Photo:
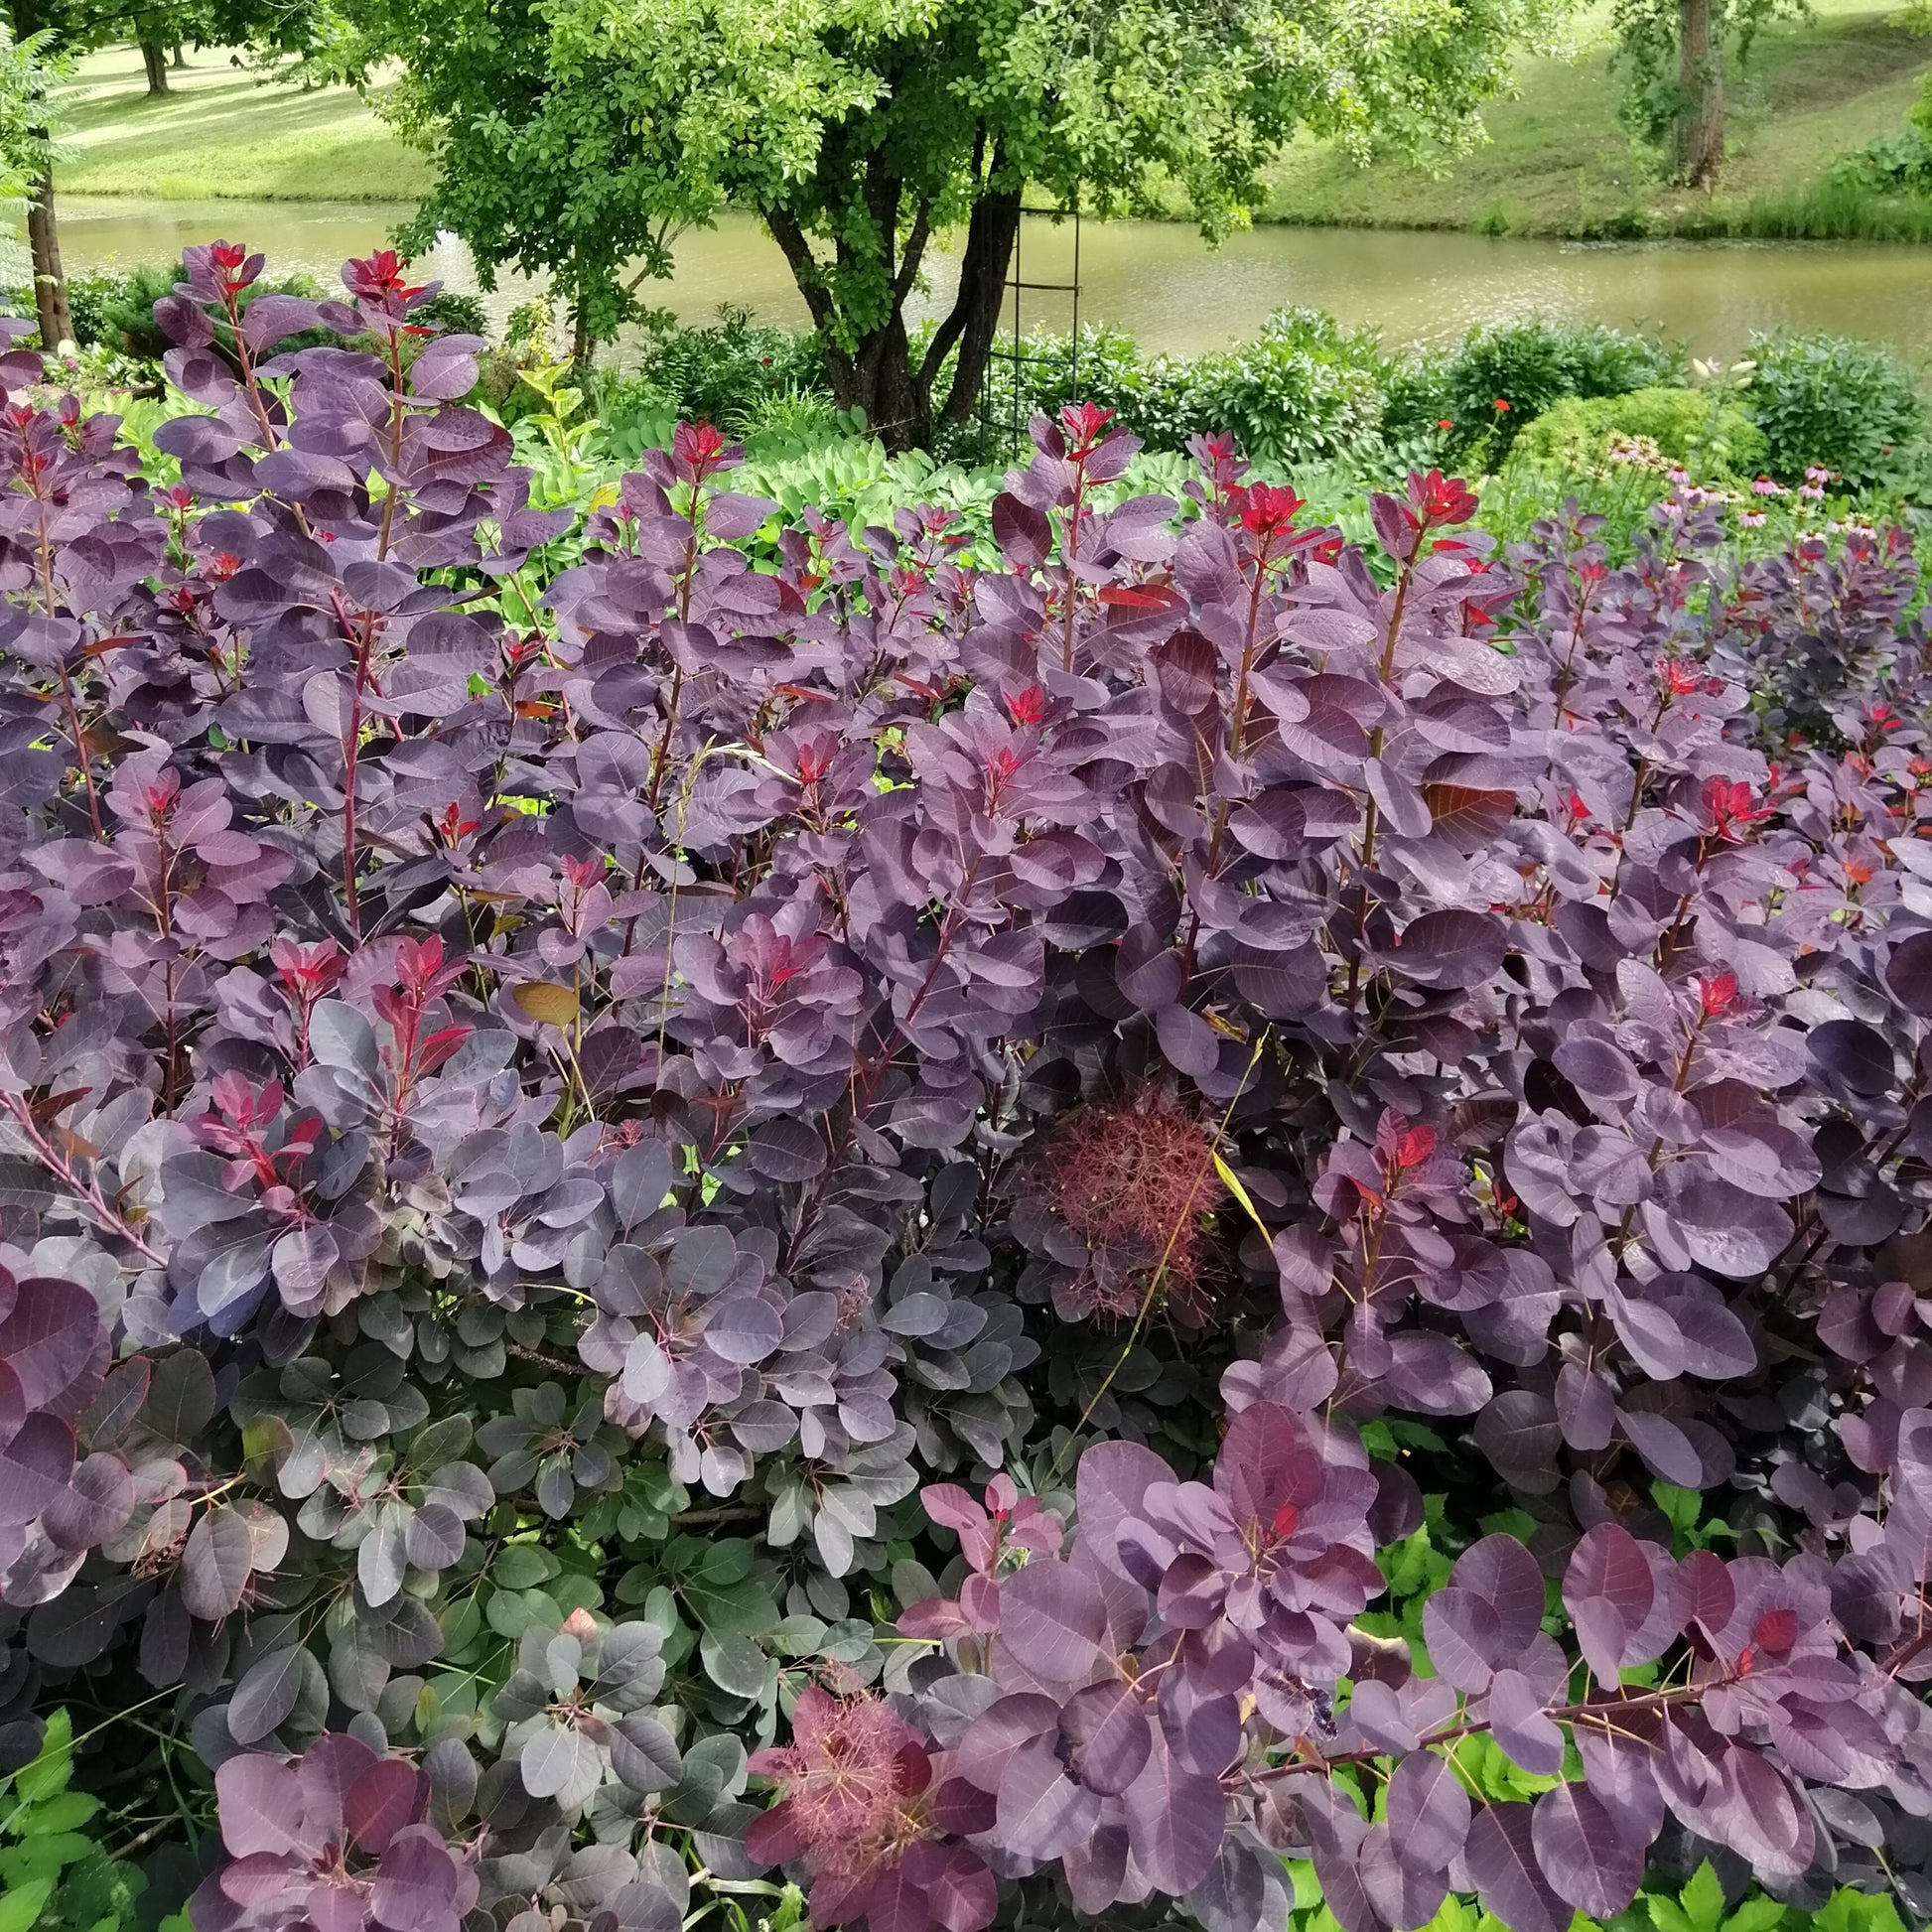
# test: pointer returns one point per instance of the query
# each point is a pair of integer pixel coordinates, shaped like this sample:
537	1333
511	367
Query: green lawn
222	134
1558	162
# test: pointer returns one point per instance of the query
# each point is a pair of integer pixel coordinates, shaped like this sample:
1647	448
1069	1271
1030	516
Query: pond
1162	285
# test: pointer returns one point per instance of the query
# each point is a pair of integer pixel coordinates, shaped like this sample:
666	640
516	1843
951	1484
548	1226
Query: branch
949	331
87	1192
909	267
805	270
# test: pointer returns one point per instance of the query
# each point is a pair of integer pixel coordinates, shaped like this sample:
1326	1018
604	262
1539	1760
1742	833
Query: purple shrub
573	1090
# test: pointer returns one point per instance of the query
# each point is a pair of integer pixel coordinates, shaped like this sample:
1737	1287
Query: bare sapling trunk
50	279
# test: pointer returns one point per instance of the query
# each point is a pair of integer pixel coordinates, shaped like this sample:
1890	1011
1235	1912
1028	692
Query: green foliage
456	315
577	136
1647	53
1531	364
730	372
1833	209
1846	406
1710	437
27	66
54	1873
1898	162
1304	389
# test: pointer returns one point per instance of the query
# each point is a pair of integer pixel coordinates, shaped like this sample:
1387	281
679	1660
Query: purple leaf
1108	1736
1522	1727
416	1884
1584	1852
265	1695
1174	1820
1053	1622
1507	1577
1042	1813
383	1799
1507	1874
215	1563
260	1804
1427	1812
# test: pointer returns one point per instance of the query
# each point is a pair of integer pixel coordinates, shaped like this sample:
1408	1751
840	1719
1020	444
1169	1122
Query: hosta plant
696	1204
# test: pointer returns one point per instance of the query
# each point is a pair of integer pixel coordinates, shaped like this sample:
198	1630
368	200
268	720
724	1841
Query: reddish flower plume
849	1765
1133	1181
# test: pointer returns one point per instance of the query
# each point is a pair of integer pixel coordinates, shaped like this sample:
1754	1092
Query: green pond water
1161	284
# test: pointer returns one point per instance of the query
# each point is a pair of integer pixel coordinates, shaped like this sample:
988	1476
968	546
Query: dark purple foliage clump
595	1108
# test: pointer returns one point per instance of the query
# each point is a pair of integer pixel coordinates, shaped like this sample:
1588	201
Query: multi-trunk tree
576	137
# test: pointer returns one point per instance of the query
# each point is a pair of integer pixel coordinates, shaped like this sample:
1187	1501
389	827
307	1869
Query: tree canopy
576	137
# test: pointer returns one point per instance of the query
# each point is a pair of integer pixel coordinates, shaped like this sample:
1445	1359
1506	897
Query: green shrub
710	374
1506	374
1305	388
55	1872
456	315
1578	432
1849	407
1897	162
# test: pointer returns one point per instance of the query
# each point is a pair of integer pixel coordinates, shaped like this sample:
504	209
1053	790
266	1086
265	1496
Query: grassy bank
222	134
1558	161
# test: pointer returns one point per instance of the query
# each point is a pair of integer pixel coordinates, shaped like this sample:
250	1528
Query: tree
1673	54
576	137
45	32
27	66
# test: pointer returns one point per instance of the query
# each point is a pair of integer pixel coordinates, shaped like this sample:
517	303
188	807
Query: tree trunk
181	58
877	375
879	379
975	317
50	281
1700	94
154	57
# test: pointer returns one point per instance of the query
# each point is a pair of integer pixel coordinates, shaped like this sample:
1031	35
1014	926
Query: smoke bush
1193	1063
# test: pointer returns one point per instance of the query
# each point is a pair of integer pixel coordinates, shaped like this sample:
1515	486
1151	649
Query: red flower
1501	407
1444	422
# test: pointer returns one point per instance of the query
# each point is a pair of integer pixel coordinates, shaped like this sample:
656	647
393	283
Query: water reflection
1159	282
